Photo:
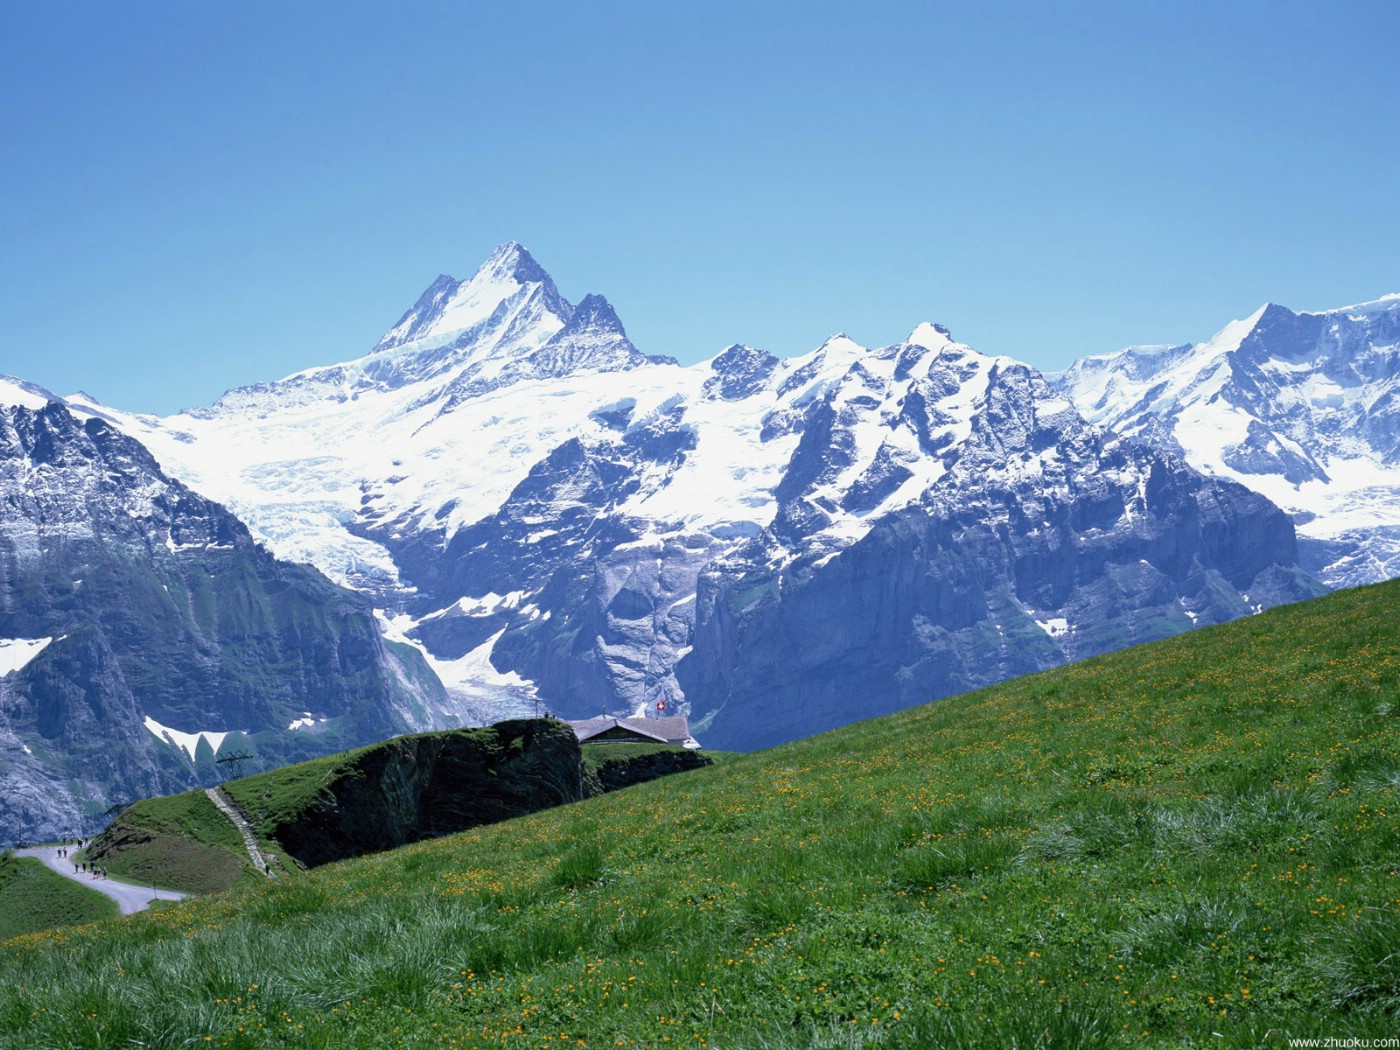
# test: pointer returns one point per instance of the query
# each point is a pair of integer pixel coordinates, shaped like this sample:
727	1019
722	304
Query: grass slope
185	842
1196	841
182	842
33	898
594	755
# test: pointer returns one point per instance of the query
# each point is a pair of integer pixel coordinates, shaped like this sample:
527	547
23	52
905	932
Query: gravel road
129	896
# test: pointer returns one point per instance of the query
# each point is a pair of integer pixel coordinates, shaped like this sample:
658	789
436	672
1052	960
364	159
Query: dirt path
130	897
229	808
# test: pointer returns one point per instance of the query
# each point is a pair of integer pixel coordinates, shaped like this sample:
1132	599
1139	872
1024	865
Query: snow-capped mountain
773	546
1302	407
141	628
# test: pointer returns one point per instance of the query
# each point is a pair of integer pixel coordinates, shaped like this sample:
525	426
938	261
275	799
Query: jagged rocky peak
1301	406
594	314
511	267
420	314
936	402
1278	332
592	340
82	476
510	276
740	371
513	260
930	351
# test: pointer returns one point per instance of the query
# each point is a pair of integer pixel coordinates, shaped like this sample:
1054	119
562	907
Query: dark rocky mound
615	773
421	787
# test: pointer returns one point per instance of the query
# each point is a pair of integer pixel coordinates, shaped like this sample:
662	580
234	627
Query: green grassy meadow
34	898
184	842
1195	842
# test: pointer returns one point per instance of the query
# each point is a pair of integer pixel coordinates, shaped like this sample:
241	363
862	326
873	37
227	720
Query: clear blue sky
196	195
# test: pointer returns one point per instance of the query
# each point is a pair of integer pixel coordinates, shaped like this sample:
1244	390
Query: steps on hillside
230	809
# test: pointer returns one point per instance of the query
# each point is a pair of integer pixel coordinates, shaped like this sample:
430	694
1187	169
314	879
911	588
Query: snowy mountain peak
1102	379
740	371
592	340
930	336
513	261
507	281
1387	302
594	314
736	350
19	393
545	527
840	343
1302	407
1232	335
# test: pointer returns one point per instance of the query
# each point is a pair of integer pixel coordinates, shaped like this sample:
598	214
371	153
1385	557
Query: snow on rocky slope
555	517
129	604
1302	407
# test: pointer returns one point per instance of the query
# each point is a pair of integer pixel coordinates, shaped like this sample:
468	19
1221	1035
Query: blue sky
197	195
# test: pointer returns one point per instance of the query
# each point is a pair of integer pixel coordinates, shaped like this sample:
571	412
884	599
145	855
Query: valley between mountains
505	507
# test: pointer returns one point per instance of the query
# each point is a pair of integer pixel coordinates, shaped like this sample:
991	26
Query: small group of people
92	869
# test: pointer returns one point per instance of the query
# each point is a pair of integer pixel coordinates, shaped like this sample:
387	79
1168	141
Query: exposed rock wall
975	586
1302	407
421	787
614	774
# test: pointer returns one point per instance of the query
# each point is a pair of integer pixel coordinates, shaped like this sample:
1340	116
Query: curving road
129	897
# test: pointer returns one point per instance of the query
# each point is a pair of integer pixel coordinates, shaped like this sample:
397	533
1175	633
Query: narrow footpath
229	808
130	897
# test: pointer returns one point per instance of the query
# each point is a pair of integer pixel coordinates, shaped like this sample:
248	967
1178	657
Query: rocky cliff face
138	616
976	585
421	787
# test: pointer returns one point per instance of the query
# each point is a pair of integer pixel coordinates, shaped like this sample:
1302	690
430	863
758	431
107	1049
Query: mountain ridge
540	528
